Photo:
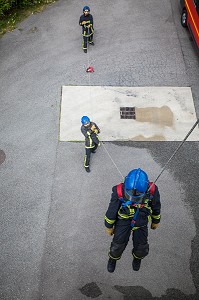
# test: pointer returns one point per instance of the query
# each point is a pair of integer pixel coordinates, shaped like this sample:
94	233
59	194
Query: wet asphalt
53	244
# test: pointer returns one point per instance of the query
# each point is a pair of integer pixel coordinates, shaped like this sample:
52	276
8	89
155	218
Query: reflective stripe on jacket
91	138
89	21
150	209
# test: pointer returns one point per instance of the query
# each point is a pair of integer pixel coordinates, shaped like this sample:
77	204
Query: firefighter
131	207
86	21
90	130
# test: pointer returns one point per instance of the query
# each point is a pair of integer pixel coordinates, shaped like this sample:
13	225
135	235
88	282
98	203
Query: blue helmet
136	183
85	120
86	8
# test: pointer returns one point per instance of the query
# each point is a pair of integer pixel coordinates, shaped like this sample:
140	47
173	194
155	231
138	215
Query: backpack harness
138	206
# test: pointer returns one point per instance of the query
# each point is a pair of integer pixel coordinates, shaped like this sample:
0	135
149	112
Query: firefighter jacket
89	24
148	210
91	137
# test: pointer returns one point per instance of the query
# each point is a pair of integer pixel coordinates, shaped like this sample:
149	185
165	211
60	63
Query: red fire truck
190	18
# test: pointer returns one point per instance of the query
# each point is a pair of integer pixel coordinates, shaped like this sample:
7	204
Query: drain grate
127	113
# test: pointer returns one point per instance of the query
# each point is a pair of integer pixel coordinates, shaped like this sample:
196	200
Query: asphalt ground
53	244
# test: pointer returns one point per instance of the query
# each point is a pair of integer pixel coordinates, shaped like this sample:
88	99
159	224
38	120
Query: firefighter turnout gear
90	131
86	21
121	216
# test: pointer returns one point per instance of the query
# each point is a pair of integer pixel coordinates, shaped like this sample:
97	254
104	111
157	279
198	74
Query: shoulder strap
152	190
119	190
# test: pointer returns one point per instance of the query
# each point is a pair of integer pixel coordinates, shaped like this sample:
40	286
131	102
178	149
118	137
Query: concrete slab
162	113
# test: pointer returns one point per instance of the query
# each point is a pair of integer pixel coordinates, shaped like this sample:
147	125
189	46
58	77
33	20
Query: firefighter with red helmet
86	21
133	204
90	130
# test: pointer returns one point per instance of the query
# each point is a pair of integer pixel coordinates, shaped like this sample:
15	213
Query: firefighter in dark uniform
90	130
133	204
86	21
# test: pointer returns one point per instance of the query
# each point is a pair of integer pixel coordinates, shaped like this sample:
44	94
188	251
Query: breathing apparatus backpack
151	191
125	203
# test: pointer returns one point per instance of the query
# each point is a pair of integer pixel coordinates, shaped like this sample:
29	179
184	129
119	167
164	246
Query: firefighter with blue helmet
133	205
90	130
86	21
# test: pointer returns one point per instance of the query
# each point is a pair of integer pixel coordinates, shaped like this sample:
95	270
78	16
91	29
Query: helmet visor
134	194
86	124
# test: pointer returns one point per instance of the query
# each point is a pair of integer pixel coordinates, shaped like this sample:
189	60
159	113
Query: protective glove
109	231
83	22
154	226
94	129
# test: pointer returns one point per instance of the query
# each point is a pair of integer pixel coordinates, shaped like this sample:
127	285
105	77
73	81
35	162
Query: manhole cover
127	113
2	156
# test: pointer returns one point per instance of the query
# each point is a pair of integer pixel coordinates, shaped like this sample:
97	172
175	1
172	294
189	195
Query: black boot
92	43
111	265
85	50
87	169
136	264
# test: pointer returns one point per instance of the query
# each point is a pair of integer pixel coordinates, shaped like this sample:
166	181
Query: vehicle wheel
184	18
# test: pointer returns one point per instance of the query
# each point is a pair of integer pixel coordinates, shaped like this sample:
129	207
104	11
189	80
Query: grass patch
9	21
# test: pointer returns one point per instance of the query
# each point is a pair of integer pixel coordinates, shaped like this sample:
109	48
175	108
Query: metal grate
127	113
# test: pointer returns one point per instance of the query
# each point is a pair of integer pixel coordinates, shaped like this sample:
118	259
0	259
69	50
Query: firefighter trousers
122	232
88	155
